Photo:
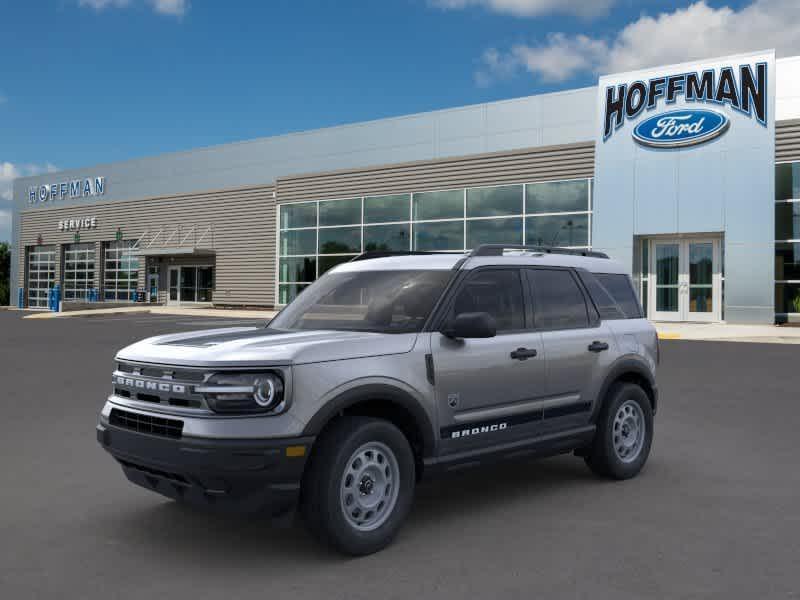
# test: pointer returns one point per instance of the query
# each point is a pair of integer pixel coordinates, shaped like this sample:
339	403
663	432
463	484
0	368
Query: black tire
322	506
602	458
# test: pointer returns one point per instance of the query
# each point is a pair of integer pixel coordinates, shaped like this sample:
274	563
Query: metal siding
244	235
571	161
787	141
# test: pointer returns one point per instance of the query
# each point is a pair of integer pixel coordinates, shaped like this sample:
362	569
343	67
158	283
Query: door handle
598	346
523	354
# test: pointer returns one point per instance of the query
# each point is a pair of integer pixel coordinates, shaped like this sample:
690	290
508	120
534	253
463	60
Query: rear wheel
359	485
624	433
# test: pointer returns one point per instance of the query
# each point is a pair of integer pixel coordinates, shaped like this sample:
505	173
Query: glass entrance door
687	282
699	285
666	256
174	291
191	284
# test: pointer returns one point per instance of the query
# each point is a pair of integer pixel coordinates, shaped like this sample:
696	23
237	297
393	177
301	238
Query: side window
606	305
497	292
620	288
558	302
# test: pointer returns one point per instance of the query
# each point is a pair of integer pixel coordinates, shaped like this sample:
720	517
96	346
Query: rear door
489	390
578	347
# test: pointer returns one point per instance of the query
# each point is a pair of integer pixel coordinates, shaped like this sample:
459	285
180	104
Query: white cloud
531	8
172	8
697	31
9	172
103	4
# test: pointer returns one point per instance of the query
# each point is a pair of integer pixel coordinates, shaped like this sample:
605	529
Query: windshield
381	301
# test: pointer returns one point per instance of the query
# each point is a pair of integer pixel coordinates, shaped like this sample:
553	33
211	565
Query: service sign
685	108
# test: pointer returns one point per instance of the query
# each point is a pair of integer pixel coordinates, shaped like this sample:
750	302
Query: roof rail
385	253
499	249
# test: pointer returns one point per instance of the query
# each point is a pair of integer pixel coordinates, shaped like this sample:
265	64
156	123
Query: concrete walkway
771	334
158	310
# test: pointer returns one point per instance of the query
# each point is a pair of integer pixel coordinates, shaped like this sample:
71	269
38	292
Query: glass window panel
497	292
494	231
621	290
557	196
787	261
787	297
439	236
787	221
667	264
494	201
387	237
787	181
298	269
303	241
299	215
667	299
701	257
328	262
340	240
558	301
700	299
439	205
557	230
288	292
384	209
340	212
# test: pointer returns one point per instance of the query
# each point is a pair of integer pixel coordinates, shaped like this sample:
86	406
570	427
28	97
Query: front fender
394	392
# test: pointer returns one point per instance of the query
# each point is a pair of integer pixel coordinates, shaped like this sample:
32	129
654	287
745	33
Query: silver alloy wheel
629	431
370	486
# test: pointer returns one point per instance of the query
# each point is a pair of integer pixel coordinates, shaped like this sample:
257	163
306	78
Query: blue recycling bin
54	298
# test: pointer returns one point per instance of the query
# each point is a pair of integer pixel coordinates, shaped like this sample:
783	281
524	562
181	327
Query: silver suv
388	369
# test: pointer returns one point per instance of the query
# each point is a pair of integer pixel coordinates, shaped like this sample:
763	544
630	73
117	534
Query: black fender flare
626	365
376	392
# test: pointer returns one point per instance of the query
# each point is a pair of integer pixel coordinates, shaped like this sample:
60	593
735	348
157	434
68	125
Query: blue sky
90	81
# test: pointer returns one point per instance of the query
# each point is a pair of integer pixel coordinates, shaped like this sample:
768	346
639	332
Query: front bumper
241	476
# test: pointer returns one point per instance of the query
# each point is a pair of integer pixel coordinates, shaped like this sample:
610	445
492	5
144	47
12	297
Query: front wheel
359	485
624	433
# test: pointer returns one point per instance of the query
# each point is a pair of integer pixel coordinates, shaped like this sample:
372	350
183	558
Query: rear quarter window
619	287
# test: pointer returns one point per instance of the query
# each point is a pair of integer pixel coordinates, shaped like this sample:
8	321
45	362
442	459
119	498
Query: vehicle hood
248	346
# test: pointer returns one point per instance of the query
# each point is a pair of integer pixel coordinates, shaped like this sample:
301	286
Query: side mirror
471	325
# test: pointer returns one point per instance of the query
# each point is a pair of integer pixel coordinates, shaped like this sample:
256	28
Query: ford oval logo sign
681	128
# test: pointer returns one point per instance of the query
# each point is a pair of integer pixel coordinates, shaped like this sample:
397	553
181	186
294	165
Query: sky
84	82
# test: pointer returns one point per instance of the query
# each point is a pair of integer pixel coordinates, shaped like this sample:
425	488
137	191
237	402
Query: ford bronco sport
385	370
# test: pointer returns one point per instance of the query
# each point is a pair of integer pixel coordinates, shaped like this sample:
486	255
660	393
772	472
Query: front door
173	296
687	283
152	285
489	390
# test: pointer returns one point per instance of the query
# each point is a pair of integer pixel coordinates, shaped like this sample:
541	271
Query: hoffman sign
76	188
743	89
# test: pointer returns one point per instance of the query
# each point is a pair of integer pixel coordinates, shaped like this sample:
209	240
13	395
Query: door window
558	302
494	291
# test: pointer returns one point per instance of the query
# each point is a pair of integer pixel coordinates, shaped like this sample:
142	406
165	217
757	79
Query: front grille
171	428
160	385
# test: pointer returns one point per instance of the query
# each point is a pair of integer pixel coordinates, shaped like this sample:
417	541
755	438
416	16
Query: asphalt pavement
715	514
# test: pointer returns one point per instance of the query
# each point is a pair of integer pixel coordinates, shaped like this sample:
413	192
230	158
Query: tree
5	268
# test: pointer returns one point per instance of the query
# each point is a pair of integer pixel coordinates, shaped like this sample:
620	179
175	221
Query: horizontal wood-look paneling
571	161
244	229
787	141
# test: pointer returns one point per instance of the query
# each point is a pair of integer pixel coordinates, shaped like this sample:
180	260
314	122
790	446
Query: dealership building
688	174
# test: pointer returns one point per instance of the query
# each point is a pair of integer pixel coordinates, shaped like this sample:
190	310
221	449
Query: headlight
244	393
